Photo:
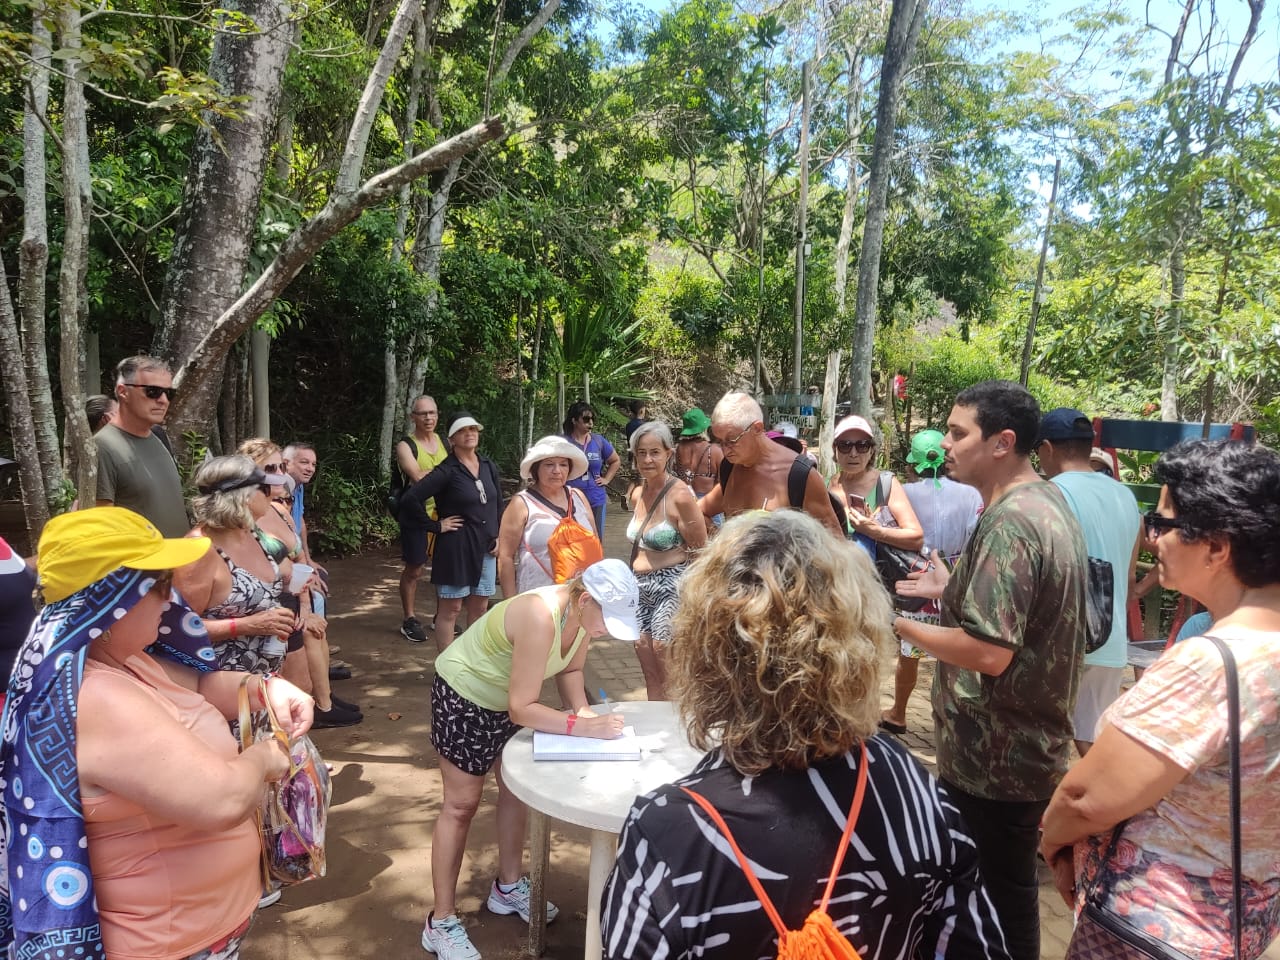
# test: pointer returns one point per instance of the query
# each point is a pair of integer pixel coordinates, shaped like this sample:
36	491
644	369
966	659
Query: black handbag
1101	934
894	563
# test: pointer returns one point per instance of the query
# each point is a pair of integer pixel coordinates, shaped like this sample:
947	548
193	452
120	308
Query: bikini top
274	547
704	464
659	537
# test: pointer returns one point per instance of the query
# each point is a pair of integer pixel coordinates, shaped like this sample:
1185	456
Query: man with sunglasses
756	473
135	466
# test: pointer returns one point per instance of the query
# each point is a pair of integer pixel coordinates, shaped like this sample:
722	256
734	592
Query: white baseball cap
851	423
612	585
462	423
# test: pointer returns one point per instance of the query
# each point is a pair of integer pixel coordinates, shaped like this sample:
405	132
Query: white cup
301	574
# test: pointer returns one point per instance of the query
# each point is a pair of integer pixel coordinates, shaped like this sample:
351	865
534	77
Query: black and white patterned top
909	886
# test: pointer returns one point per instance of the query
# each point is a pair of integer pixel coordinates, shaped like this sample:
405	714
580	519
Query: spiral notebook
558	746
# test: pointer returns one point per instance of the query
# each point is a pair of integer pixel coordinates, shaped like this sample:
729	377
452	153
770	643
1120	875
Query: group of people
251	505
1014	512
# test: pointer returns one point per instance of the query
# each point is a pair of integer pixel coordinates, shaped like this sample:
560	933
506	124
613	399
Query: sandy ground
387	793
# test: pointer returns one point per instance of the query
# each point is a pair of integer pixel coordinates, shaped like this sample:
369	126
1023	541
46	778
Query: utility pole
802	230
1038	293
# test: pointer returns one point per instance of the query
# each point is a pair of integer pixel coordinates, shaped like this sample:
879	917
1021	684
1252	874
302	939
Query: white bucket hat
549	447
463	422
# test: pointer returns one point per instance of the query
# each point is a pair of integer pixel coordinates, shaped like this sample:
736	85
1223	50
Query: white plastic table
594	794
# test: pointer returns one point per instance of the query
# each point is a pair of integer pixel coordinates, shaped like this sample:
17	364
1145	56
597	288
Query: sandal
896	728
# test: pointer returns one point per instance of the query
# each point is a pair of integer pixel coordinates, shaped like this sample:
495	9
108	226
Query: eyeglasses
484	497
726	442
862	446
425	413
273	468
1156	525
153	392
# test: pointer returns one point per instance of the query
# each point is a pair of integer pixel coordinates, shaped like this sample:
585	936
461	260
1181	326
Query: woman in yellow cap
129	812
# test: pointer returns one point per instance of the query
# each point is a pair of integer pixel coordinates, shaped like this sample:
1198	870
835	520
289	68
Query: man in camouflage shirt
1010	647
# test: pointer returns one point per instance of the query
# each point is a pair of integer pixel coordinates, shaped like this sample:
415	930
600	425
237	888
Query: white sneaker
268	898
516	900
447	939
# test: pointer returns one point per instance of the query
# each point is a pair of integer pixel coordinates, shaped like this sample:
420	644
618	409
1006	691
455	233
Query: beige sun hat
553	446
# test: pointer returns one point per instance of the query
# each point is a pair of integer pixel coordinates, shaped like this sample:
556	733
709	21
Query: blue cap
1065	423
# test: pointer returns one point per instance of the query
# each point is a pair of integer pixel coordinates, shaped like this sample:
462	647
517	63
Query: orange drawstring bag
818	939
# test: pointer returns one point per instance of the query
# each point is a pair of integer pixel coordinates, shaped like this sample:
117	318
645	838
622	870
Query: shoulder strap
1233	753
662	495
884	487
797	480
726	468
549	505
854	808
162	435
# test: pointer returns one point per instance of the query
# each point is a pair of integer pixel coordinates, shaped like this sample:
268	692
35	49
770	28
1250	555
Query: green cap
693	423
926	451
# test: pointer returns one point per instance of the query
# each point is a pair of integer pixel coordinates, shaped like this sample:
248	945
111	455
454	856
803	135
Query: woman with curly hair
774	668
1139	829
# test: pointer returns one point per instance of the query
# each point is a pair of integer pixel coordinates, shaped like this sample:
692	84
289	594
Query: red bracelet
233	626
569	721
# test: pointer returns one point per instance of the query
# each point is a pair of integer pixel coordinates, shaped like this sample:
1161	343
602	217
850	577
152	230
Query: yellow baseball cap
80	548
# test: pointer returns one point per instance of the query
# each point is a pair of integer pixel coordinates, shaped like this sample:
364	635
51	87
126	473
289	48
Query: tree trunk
22	428
826	432
853	136
73	295
220	206
299	248
905	19
33	262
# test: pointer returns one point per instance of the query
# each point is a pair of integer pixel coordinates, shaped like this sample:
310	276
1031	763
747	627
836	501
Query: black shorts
465	733
415	543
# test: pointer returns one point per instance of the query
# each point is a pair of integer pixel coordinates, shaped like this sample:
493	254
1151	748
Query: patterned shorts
658	601
466	734
228	948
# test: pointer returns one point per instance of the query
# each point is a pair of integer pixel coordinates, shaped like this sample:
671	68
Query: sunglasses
726	442
587	419
273	468
1157	525
484	497
154	392
862	446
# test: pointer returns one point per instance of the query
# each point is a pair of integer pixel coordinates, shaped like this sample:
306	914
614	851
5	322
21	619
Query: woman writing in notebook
487	687
774	668
666	528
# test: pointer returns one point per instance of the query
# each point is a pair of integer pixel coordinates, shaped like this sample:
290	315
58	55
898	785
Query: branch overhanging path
338	212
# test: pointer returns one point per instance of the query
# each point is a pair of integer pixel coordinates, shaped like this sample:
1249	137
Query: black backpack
797	480
399	482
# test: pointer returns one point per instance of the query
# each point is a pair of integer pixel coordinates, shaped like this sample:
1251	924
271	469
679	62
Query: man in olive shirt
135	468
1010	647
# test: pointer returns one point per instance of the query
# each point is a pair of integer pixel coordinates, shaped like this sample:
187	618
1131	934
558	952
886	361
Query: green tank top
478	664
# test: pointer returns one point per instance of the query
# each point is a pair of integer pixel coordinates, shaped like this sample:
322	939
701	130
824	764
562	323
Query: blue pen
605	701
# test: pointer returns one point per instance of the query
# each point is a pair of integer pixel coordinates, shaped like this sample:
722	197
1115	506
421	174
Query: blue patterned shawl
48	910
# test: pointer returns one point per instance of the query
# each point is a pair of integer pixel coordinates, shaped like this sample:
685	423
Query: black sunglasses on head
153	392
